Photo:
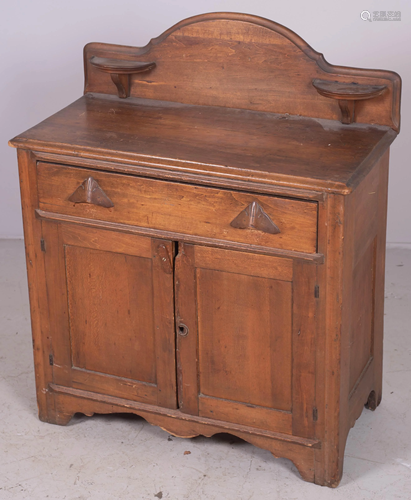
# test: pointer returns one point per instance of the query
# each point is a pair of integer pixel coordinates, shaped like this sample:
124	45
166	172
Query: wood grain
120	71
278	149
90	192
304	329
104	338
108	335
234	309
249	264
246	414
330	374
363	306
169	206
348	91
186	314
71	398
240	308
209	252
40	326
243	61
189	238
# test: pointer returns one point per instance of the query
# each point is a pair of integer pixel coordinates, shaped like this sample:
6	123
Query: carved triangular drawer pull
90	192
254	217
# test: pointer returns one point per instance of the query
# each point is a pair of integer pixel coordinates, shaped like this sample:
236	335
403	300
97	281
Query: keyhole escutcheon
182	330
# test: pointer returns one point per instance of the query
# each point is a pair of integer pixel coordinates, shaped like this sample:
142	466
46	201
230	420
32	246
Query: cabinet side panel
362	306
36	283
380	276
369	205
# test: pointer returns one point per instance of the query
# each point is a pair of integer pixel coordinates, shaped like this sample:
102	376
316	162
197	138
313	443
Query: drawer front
179	208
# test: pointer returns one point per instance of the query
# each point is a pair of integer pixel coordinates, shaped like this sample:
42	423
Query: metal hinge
51	360
43	245
317	291
315	414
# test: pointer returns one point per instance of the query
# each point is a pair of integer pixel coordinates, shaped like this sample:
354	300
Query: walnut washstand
205	237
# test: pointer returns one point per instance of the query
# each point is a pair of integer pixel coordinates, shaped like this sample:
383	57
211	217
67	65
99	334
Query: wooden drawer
179	208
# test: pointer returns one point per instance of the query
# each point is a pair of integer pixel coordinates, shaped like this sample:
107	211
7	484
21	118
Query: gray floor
123	457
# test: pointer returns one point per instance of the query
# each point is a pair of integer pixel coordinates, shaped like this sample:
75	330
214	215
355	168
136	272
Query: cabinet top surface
273	148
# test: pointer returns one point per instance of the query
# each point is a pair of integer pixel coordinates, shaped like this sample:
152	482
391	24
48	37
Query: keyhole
182	330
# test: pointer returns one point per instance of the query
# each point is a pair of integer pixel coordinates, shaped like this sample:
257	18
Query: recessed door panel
112	324
244	330
245	353
113	313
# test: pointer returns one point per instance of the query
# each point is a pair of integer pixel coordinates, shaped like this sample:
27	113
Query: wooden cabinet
205	239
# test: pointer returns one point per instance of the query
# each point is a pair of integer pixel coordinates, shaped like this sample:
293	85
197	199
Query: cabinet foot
373	401
330	480
56	418
304	468
54	413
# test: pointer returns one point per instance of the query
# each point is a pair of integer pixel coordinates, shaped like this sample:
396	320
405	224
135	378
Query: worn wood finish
370	200
347	95
120	71
234	298
90	192
213	262
105	315
234	181
180	208
121	67
243	61
254	217
232	365
40	325
306	294
379	280
247	414
349	91
128	229
299	450
280	150
186	323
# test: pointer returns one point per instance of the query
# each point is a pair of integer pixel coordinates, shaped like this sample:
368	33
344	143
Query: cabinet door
111	312
246	332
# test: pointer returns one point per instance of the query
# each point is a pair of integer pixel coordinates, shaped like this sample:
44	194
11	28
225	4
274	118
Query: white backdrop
42	69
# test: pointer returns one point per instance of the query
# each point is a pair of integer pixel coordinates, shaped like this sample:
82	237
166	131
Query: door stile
163	297
186	330
305	299
60	357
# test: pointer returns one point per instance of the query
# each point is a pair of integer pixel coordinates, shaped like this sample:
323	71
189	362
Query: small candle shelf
347	94
120	71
